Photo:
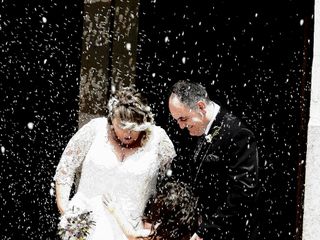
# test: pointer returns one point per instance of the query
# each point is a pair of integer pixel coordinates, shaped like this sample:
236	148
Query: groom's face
192	119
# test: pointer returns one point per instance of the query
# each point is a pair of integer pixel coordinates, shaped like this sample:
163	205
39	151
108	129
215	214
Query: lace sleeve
166	151
72	157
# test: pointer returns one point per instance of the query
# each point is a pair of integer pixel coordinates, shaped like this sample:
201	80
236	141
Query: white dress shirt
213	110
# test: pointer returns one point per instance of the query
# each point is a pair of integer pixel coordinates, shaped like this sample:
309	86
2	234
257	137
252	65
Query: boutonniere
215	132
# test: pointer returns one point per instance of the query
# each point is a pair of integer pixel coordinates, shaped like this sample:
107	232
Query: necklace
125	149
122	155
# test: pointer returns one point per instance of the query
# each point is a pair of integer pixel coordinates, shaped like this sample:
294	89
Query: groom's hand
196	237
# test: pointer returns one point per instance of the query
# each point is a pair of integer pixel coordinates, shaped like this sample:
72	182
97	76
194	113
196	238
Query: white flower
75	224
209	138
63	222
215	132
112	102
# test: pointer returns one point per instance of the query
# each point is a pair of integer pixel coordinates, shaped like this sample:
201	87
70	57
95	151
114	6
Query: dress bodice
131	181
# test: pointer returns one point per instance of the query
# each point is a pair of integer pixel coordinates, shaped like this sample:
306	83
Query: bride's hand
109	202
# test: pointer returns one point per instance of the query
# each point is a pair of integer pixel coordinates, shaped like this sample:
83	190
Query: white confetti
30	125
128	46
51	192
301	22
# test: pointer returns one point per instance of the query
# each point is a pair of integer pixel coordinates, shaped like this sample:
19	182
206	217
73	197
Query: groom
224	167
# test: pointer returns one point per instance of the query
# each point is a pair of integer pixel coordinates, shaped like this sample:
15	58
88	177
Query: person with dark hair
224	170
119	156
171	214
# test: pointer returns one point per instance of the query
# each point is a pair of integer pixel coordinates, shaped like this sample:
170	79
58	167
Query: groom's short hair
189	93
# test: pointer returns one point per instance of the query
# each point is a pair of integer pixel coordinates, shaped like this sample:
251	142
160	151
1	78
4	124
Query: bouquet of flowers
75	224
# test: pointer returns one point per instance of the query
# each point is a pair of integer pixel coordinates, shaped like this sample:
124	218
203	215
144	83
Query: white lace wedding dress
130	182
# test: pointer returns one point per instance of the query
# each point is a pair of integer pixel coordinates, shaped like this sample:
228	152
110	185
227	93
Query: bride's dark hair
174	209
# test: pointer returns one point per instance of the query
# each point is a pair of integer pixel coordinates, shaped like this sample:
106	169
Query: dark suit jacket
225	177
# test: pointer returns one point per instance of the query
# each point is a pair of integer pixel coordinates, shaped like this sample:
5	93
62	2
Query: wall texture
311	219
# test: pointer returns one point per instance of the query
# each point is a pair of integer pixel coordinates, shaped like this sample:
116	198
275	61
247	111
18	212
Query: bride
120	156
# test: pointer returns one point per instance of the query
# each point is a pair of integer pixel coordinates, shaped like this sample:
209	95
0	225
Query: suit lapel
200	144
203	146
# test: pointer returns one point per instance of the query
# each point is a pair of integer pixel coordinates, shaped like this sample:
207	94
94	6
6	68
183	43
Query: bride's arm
71	159
126	227
62	197
166	153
